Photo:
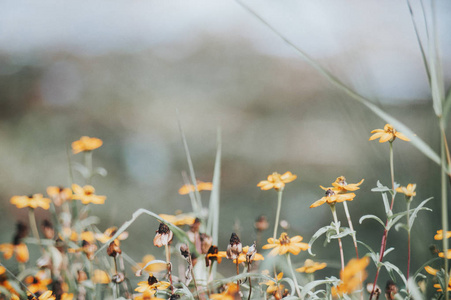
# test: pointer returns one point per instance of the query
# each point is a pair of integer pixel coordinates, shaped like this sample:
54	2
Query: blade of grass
415	140
437	88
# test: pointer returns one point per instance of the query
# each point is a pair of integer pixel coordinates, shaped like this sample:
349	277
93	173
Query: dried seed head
205	241
251	253
89	249
152	280
163	236
118	278
184	250
81	276
234	248
195	226
329	193
113	249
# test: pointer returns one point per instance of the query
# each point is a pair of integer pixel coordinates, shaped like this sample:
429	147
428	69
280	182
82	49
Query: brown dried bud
261	224
152	280
184	250
163	236
47	229
251	253
81	276
234	248
113	250
195	226
390	290
89	249
206	241
118	278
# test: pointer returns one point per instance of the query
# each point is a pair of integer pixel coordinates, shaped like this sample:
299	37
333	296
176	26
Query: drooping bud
234	248
113	249
163	236
205	241
251	253
390	290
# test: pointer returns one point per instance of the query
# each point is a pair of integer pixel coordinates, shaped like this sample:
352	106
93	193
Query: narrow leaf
315	236
363	218
415	213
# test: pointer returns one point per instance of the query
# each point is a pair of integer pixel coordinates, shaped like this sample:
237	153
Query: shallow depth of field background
121	70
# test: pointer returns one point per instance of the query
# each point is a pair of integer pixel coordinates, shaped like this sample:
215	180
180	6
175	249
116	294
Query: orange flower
48	295
108	234
86	194
147	296
201	186
331	198
59	195
37	283
34	201
409	191
85	143
340	185
178	220
157	267
431	270
276	181
214	255
352	276
439	235
101	277
242	256
284	244
231	293
20	250
310	266
387	134
274	287
151	285
448	255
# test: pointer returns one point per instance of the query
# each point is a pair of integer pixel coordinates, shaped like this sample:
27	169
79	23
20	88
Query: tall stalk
279	205
444	197
293	275
334	213
354	238
408	241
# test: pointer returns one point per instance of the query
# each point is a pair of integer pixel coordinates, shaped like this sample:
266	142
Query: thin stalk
385	235
168	262
408	241
237	272
334	213
444	200
250	281
348	216
293	275
195	283
34	226
88	165
279	205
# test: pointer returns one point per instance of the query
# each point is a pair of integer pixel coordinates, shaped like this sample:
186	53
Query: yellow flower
276	181
86	194
151	285
310	266
442	254
157	267
214	254
100	277
85	143
332	198
37	283
408	190
146	296
20	250
67	296
108	234
284	244
439	235
34	201
59	195
84	236
201	186
352	276
47	296
178	220
387	134
242	256
231	293
275	288
341	186
431	270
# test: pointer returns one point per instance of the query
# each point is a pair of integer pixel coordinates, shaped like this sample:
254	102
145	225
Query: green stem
444	200
33	225
348	216
293	275
88	165
392	173
169	266
408	241
334	213
279	205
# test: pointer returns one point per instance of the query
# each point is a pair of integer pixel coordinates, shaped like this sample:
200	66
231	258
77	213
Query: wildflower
439	235
310	266
352	276
86	194
431	270
100	277
439	288
261	224
17	248
387	134
276	181
37	283
234	248
408	190
448	255
248	255
59	195
164	236
109	233
201	186
87	248
4	282
48	295
84	236
157	267
340	185
113	249
67	296
33	201
151	285
179	220
85	143
331	198
284	244
146	296
232	292
275	288
214	255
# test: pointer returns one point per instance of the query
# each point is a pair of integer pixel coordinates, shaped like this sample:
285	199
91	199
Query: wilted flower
86	194
33	201
352	276
331	198
388	134
163	236
201	186
214	255
284	245
276	181
86	143
408	190
59	195
234	248
390	290
231	292
109	233
310	266
249	254
113	250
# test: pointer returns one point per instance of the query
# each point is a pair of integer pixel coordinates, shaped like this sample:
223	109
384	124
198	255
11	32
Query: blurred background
120	70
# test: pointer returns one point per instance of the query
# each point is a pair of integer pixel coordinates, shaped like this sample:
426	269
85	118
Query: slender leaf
417	209
343	232
389	266
363	218
213	219
311	285
380	188
316	235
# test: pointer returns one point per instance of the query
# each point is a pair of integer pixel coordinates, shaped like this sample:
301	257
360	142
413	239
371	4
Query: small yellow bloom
242	256
231	293
387	134
108	234
214	254
86	143
67	296
47	296
178	220
274	287
310	266
431	270
276	181
332	198
37	283
101	277
442	254
34	201
151	285
20	251
201	186
157	267
352	276
59	195
340	185
284	244
86	194
408	190
439	235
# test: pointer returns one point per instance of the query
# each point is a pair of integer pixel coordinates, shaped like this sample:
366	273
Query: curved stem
279	205
293	275
334	213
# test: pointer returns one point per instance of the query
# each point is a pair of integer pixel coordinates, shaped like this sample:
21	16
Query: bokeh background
121	70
